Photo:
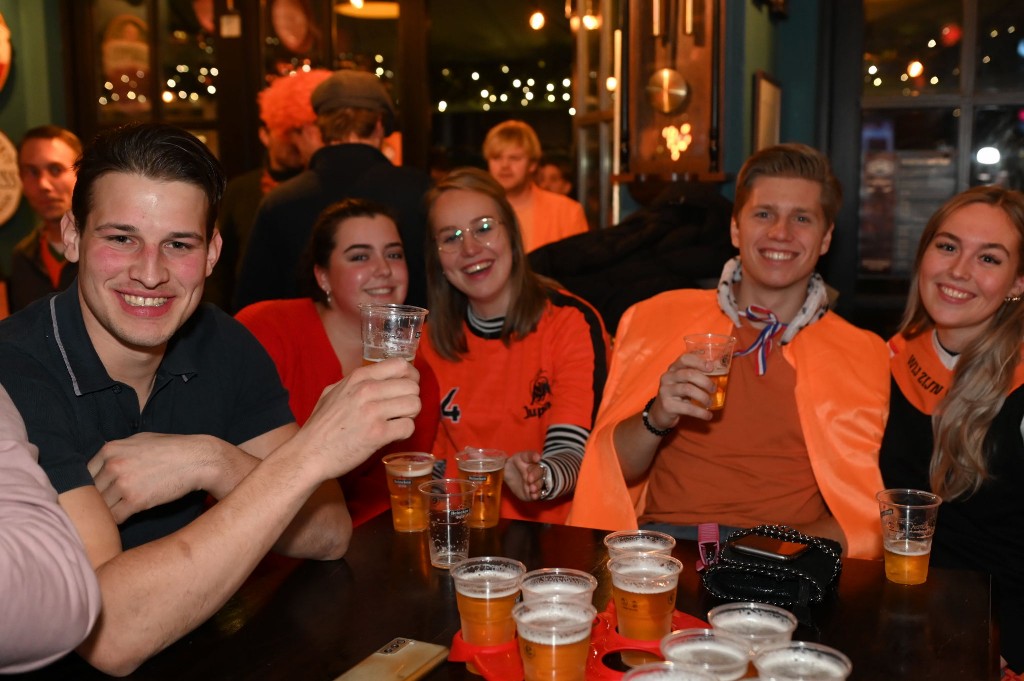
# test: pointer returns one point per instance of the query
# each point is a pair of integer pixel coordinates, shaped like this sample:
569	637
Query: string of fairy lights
936	64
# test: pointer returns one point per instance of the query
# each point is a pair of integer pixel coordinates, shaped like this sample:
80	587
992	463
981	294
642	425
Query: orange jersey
506	397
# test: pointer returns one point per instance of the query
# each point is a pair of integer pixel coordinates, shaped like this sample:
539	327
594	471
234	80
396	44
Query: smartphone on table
769	547
403	659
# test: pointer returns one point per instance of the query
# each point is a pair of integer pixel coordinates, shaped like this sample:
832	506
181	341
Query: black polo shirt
215	379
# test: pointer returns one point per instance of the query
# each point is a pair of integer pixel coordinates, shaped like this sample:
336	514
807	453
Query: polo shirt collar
84	367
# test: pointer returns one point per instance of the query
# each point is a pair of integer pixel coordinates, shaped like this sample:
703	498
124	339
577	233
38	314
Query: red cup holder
502	662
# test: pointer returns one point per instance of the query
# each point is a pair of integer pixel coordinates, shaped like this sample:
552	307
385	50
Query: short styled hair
52	132
151	150
791	160
512	133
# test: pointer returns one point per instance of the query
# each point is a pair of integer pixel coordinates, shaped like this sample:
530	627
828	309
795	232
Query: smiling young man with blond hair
798	439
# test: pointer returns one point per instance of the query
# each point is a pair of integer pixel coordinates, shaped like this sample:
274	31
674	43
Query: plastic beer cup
758	625
563	585
487	468
554	639
405	472
638	541
664	671
644	590
717	349
448	504
390	330
486	588
908	523
717	653
802	661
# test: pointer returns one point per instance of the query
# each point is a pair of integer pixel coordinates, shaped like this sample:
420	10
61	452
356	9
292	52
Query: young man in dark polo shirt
141	402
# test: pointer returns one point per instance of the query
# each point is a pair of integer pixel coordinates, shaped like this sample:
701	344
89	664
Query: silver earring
1012	299
327	292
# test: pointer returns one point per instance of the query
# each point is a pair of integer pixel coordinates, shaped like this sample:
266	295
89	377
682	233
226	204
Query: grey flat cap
357	89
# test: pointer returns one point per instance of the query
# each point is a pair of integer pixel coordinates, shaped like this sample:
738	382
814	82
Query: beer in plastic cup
908	523
448	503
638	541
486	588
718	350
487	468
717	653
644	589
757	624
554	639
390	330
664	671
563	585
802	661
405	471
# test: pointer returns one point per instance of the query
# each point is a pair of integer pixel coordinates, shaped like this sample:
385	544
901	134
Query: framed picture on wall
767	111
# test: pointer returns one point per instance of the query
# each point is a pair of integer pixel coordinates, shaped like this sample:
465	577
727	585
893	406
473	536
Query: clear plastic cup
802	661
558	584
722	655
758	624
638	541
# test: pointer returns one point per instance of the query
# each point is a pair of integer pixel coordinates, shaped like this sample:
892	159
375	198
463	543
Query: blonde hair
959	463
509	134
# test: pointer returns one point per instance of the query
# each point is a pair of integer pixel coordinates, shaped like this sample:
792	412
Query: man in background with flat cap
288	132
354	114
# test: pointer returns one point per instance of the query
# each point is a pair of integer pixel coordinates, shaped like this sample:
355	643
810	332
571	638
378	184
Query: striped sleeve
562	456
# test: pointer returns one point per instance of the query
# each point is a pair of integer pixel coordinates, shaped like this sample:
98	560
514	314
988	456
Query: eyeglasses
484	231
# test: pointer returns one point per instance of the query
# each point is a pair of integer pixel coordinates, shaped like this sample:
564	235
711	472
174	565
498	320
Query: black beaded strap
647	423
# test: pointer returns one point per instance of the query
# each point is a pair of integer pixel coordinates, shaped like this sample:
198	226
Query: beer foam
635	580
751	622
908	548
707	653
799	665
481	465
554	626
488	583
411	469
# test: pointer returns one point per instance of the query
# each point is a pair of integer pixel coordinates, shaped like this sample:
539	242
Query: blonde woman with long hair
957	411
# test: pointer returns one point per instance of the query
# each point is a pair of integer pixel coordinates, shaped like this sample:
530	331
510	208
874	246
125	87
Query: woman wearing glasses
356	256
520	363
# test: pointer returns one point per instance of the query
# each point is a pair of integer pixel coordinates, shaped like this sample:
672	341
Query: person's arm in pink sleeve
50	595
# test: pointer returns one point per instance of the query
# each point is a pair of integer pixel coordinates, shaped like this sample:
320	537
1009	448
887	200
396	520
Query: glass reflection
188	70
912	48
998	146
123	29
1000	55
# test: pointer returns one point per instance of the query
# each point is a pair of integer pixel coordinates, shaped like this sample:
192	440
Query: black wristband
647	423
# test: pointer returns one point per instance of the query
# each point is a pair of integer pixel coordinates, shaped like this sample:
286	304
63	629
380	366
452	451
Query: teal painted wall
34	92
784	48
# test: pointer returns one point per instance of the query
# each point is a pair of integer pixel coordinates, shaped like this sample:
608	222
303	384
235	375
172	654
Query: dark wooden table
313	620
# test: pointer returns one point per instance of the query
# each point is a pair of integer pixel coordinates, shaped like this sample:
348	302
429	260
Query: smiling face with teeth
969	267
482	273
143	258
367	265
780	231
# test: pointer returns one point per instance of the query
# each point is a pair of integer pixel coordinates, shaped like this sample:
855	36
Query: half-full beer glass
717	349
644	589
486	588
908	522
554	639
405	471
486	467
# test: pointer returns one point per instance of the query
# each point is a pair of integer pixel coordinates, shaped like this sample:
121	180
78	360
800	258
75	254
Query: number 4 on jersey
449	410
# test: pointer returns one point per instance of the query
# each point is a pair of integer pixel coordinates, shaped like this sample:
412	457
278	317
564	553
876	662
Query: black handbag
808	578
